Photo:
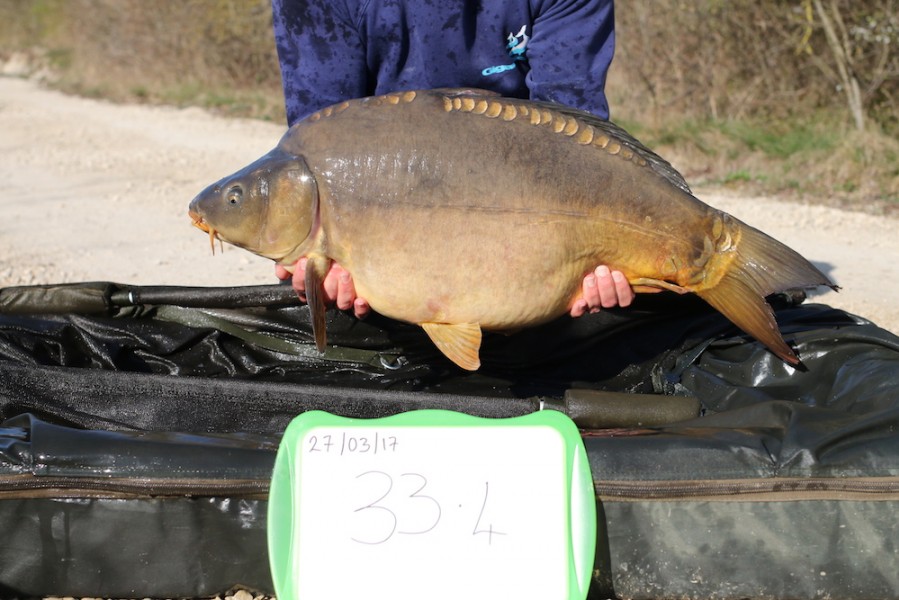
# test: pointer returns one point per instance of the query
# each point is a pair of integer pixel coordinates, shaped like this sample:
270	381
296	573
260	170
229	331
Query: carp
461	210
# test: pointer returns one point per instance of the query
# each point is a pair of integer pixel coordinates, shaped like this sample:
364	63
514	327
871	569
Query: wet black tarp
139	427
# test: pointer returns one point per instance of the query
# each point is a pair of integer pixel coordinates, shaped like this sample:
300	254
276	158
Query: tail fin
761	266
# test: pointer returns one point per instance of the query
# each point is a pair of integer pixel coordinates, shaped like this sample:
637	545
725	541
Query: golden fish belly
500	269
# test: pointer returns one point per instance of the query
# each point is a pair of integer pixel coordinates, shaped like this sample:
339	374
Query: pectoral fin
316	269
647	284
460	342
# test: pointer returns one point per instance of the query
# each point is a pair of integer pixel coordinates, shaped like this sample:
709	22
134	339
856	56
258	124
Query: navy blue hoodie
334	50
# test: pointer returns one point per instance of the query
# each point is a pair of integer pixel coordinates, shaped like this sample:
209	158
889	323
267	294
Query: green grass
781	140
671	133
813	155
777	140
60	58
741	176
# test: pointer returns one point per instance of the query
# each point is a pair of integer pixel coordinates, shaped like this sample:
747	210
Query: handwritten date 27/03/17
351	444
401	504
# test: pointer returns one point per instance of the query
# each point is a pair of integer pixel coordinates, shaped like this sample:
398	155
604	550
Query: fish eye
234	195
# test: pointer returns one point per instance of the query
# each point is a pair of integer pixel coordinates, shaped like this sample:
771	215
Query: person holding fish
553	50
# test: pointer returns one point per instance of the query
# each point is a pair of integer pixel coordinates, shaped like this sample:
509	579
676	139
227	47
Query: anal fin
316	269
460	342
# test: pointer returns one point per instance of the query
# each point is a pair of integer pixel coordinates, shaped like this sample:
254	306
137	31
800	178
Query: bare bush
151	50
715	59
229	40
734	59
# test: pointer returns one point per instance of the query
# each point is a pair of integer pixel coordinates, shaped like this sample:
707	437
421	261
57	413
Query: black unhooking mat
139	429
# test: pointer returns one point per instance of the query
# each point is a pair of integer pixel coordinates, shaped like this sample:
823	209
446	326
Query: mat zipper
30	486
768	489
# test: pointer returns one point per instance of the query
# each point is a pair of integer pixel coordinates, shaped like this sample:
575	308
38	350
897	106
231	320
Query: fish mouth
200	223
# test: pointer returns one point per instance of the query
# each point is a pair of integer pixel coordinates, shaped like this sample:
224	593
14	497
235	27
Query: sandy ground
95	191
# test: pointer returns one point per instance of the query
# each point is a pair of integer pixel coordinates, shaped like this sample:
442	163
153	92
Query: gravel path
96	191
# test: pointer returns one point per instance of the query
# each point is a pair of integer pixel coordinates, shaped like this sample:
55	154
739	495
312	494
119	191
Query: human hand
338	287
603	288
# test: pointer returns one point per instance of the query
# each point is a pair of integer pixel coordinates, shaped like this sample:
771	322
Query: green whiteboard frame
579	495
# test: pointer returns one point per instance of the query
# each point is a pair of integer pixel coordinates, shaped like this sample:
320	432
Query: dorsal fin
584	126
656	163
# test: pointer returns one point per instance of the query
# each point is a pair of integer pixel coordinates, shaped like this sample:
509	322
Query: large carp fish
460	210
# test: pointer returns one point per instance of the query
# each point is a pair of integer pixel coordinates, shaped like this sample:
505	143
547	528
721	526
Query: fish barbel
460	210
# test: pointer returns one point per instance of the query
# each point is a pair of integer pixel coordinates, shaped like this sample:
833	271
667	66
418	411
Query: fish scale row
582	133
